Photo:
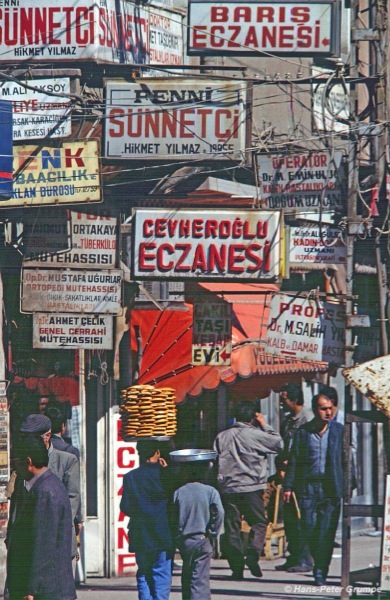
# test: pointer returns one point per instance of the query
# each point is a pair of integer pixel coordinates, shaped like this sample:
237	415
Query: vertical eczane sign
249	28
173	119
306	328
126	459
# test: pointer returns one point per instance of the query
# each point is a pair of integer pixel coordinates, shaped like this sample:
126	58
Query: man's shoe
254	567
299	568
320	581
284	566
237	576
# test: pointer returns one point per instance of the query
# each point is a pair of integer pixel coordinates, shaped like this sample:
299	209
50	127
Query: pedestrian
145	501
199	516
39	565
58	427
64	465
295	415
242	478
314	473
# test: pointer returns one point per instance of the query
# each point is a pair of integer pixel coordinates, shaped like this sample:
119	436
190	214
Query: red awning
166	337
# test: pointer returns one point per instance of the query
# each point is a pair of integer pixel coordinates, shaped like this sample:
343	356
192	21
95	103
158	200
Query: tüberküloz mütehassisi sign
93	332
108	31
224	27
206	244
64	174
37	113
55	290
165	118
306	328
304	181
93	243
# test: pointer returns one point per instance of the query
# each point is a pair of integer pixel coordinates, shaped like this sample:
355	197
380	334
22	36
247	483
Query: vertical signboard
306	328
125	460
385	563
212	334
6	152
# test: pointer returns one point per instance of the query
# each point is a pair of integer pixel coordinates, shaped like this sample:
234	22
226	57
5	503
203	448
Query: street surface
274	585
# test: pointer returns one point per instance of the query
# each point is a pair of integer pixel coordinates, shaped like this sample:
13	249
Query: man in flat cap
64	465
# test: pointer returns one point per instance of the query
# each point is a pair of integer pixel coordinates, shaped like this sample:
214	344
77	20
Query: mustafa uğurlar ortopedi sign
207	244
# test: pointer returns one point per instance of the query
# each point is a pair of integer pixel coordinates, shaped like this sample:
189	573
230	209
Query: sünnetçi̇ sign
206	244
56	175
165	118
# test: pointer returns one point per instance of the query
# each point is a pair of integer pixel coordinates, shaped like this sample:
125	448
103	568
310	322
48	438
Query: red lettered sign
279	28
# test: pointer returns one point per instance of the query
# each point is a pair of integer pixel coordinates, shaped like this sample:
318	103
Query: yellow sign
65	174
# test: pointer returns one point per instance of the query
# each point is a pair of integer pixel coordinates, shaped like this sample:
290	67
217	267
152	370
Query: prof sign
306	328
279	28
209	244
212	334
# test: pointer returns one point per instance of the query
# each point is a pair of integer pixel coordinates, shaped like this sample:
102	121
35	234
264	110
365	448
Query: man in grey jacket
242	477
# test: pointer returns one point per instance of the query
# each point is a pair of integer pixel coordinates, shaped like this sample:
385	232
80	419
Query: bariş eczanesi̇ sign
56	175
226	27
165	118
206	244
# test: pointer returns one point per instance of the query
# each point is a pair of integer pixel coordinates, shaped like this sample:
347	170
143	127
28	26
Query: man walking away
314	473
199	517
145	501
242	477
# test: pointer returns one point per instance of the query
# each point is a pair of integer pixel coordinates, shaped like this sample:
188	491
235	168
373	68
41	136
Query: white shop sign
330	105
212	334
37	114
306	328
125	460
302	181
93	243
309	245
208	244
89	332
165	118
55	290
282	28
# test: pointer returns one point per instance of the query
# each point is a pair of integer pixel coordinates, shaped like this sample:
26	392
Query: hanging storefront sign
108	31
37	113
312	245
173	119
93	242
212	334
306	328
55	290
206	244
125	460
89	332
249	28
56	175
303	182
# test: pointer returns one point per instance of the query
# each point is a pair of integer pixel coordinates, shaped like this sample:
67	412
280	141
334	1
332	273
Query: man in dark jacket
39	564
314	473
242	477
145	501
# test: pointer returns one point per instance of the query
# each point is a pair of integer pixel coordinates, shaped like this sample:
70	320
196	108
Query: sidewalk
274	585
